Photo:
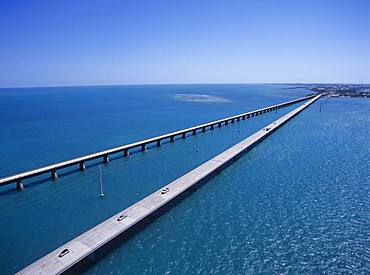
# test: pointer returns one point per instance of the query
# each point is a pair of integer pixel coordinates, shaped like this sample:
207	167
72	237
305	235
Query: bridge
71	253
143	145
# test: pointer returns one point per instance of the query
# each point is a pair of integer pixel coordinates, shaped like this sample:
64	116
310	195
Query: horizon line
202	83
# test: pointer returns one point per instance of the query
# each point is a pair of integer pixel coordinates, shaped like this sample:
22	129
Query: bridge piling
82	166
124	148
54	175
106	159
103	233
20	186
143	148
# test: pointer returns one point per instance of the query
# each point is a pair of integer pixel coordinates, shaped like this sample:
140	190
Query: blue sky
89	42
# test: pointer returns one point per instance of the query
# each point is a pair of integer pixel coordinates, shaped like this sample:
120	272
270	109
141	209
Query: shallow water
297	202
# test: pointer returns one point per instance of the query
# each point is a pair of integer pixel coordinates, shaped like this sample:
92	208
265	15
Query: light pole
101	183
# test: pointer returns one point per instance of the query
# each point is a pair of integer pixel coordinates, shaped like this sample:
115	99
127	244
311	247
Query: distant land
338	90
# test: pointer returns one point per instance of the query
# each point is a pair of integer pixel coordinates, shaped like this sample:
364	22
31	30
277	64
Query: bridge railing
125	149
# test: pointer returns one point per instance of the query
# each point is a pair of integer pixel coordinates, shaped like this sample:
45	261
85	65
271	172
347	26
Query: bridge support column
219	125
106	159
212	127
126	153
54	175
203	129
159	142
194	132
143	148
82	166
172	139
233	120
20	186
183	135
226	122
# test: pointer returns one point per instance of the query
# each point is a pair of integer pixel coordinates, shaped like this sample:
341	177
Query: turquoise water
39	126
298	202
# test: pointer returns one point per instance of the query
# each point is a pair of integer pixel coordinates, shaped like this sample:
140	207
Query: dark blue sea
298	203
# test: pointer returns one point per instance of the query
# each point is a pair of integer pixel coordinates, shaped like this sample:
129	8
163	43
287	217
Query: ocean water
296	203
39	126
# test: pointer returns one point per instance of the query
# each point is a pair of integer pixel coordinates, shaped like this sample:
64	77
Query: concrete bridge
142	145
66	256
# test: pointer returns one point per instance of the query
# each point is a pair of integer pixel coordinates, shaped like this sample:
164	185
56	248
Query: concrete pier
106	159
87	243
54	175
143	148
82	166
143	144
20	186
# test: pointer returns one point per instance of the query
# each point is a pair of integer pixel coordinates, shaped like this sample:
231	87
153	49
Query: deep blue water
298	202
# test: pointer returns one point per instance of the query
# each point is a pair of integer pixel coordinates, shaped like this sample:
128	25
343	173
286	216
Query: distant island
339	90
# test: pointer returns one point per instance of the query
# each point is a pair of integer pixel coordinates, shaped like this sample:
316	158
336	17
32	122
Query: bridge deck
88	242
81	160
